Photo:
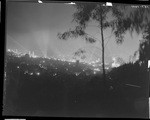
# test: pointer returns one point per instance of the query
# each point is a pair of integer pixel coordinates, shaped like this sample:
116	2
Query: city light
94	72
71	3
39	1
96	69
31	73
54	74
38	73
77	73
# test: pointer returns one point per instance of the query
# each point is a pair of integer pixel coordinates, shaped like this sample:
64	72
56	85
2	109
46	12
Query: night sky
34	27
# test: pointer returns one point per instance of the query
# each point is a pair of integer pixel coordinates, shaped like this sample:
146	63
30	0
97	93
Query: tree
122	22
98	13
144	47
139	20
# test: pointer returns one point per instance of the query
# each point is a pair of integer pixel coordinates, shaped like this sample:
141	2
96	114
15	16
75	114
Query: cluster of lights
42	67
96	69
15	52
145	6
19	54
31	73
38	73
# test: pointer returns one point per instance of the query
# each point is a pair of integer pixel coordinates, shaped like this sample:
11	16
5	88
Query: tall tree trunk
103	59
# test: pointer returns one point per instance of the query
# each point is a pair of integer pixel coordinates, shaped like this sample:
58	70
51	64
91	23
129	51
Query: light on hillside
108	4
149	64
39	1
72	3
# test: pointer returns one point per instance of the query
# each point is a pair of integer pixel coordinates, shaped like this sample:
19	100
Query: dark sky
34	27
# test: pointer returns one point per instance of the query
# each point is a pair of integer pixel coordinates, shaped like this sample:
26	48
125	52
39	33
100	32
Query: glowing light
107	68
8	50
96	69
38	73
39	1
94	65
77	74
5	74
94	72
148	63
115	64
108	4
18	67
72	3
54	74
31	73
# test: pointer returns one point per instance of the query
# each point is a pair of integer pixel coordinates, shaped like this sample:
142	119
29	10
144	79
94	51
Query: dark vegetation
69	95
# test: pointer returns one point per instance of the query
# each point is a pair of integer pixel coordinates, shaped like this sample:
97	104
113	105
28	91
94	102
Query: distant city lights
96	69
93	65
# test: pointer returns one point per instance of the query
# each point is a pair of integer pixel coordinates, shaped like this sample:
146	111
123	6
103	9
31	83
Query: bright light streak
133	85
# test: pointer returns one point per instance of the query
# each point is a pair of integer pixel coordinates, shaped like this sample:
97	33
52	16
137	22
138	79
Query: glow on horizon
115	64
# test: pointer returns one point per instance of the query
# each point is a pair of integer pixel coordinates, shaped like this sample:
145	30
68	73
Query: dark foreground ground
68	95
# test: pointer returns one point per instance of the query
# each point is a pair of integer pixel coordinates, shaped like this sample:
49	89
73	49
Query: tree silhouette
135	20
96	12
144	47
